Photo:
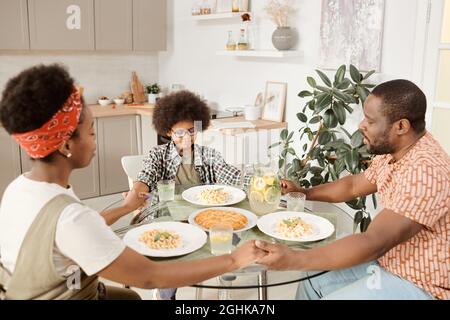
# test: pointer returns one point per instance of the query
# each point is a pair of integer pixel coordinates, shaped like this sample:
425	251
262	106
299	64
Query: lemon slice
259	183
256	196
269	180
271	196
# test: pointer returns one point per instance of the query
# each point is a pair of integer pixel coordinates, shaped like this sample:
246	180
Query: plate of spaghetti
238	219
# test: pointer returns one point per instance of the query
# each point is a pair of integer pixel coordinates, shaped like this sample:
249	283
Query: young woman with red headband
51	245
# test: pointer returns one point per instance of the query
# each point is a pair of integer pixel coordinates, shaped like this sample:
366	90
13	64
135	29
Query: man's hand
278	256
290	186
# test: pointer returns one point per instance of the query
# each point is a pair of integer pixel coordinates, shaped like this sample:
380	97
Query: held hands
277	257
134	200
247	254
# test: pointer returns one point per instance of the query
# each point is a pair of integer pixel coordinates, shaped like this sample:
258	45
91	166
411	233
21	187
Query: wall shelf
260	53
218	16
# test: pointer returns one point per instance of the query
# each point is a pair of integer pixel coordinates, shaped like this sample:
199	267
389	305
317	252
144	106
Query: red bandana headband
45	140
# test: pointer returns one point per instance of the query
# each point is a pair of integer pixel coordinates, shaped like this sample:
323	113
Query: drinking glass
166	190
296	201
220	238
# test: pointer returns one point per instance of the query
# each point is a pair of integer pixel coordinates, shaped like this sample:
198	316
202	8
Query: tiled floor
286	292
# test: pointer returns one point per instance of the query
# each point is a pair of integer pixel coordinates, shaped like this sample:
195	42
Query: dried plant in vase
284	37
279	11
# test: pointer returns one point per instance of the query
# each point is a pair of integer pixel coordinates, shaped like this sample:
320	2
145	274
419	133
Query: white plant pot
152	98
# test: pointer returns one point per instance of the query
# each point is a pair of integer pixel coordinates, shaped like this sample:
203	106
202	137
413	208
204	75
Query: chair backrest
132	165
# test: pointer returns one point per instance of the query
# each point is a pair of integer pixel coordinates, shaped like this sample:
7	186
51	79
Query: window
443	79
437	70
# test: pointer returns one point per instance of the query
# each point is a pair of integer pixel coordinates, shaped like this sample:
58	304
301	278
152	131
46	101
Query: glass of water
296	201
221	238
166	190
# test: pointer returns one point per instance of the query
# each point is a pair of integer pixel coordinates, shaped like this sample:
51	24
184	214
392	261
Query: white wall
100	74
228	81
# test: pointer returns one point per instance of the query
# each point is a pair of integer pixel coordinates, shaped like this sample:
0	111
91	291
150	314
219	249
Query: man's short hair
402	99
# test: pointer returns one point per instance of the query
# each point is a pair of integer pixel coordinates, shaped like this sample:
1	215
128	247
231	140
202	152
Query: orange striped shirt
418	188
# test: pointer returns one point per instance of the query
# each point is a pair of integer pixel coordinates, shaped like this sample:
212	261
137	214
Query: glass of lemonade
221	239
264	191
166	190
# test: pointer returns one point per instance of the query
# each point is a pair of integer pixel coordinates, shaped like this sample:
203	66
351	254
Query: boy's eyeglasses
180	133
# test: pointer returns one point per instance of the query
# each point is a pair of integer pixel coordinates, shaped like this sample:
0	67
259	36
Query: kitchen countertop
124	110
147	110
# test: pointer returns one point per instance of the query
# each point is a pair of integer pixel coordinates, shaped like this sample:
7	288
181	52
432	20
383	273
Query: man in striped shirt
405	253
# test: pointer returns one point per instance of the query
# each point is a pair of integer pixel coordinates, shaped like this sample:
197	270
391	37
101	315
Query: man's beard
381	148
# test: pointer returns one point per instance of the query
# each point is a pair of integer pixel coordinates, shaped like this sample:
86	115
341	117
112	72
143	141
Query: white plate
252	218
192	238
322	228
235	195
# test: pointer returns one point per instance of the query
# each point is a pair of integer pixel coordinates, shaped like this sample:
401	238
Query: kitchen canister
252	112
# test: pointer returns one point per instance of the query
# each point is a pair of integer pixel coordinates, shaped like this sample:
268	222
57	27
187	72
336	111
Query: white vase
152	98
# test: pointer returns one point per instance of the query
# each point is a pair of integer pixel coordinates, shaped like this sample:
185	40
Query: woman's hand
247	254
134	200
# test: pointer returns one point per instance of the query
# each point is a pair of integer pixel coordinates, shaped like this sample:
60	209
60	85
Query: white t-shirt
82	236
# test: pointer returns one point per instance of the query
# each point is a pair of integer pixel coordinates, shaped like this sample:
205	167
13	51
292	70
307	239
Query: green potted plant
330	150
152	91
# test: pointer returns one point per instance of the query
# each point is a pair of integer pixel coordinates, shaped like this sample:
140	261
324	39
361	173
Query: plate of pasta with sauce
239	219
165	239
213	195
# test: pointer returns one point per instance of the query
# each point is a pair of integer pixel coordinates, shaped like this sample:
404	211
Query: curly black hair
179	106
32	97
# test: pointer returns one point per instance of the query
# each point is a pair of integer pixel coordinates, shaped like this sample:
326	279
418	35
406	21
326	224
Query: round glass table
179	210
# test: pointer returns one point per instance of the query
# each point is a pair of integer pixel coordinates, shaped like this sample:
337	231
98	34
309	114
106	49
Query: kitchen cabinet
116	137
83	25
61	24
148	135
86	181
9	160
149	25
114	25
14	25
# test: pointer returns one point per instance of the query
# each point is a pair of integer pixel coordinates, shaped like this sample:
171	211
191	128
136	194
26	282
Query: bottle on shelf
243	42
231	44
235	6
249	27
205	7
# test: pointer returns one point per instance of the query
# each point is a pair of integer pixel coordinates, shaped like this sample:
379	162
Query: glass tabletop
179	210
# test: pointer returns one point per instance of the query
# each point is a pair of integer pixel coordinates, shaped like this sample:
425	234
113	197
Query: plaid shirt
163	162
